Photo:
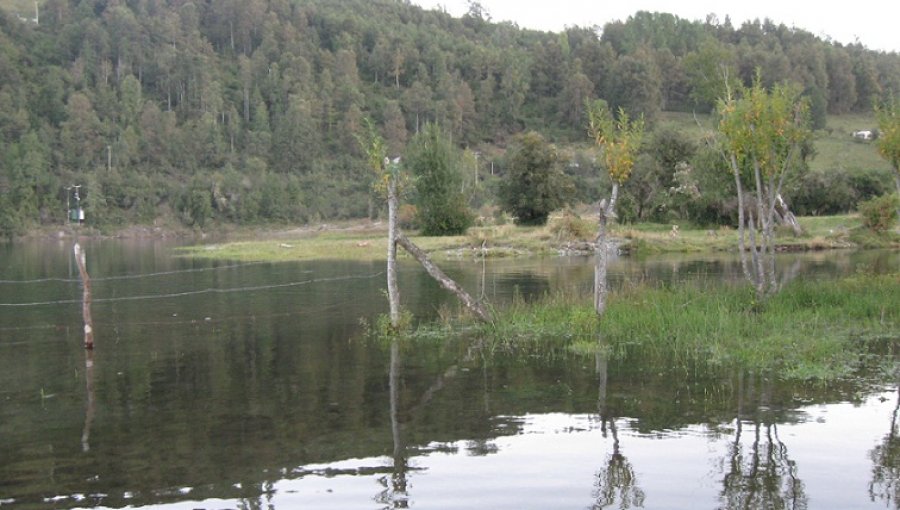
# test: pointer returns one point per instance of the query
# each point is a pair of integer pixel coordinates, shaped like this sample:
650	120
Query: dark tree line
250	110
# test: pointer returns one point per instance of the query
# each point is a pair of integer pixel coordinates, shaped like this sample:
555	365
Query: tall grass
809	330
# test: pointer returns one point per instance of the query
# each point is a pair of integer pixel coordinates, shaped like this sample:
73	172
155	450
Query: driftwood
86	302
445	281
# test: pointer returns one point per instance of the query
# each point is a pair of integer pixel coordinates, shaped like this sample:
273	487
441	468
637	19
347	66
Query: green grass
819	330
837	149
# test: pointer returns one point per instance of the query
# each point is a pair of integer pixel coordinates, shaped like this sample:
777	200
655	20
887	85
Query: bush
880	214
836	191
571	227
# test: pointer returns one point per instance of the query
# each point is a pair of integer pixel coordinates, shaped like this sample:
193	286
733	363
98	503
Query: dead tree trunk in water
86	301
393	232
601	286
445	281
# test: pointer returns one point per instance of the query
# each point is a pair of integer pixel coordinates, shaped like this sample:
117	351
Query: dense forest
251	110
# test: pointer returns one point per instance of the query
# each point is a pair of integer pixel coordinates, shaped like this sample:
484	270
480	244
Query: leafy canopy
888	143
620	138
765	128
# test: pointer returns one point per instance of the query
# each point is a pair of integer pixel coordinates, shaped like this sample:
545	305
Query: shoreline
364	239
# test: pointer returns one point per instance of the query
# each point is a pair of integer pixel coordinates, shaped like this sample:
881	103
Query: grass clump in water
809	330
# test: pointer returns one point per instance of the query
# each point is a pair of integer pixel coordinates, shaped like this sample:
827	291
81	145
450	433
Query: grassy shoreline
366	242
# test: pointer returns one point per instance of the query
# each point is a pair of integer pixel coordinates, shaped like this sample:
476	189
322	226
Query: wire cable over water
196	292
136	276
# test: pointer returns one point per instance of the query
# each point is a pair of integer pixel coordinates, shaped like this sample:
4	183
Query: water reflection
395	494
91	407
616	482
276	399
885	484
758	471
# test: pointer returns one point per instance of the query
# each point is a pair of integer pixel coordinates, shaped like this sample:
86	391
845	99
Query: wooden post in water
86	301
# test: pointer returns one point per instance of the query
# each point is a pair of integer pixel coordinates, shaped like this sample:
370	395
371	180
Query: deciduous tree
763	135
619	139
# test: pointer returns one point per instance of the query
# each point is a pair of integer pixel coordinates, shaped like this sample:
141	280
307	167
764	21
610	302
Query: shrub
571	227
880	214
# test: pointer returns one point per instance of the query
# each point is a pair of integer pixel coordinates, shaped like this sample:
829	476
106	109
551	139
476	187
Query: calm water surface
226	385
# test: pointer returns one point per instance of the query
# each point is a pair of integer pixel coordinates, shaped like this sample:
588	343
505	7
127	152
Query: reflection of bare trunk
393	231
616	481
86	303
759	474
601	370
394	382
89	415
473	305
885	483
398	496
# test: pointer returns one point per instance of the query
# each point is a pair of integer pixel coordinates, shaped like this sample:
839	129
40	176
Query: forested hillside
250	110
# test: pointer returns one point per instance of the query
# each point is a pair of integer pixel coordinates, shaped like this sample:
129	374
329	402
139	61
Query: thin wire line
195	292
135	276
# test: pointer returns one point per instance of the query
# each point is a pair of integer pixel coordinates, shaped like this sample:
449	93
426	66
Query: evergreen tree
534	186
440	203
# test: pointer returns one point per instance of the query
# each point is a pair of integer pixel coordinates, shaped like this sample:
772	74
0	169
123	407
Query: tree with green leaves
619	139
888	143
434	163
763	133
534	185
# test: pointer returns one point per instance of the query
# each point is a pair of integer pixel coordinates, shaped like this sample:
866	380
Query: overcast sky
875	23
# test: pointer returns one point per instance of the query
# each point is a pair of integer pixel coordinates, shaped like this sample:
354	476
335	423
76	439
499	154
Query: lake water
226	385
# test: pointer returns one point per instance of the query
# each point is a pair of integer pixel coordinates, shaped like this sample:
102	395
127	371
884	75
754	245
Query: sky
874	23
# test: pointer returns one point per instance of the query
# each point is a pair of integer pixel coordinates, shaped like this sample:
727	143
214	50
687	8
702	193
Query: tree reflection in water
761	474
885	484
395	493
616	481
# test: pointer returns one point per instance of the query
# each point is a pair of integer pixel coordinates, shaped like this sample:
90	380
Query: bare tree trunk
897	183
601	259
742	247
446	282
757	273
86	302
393	233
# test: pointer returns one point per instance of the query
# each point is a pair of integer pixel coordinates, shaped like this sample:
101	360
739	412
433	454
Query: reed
810	330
